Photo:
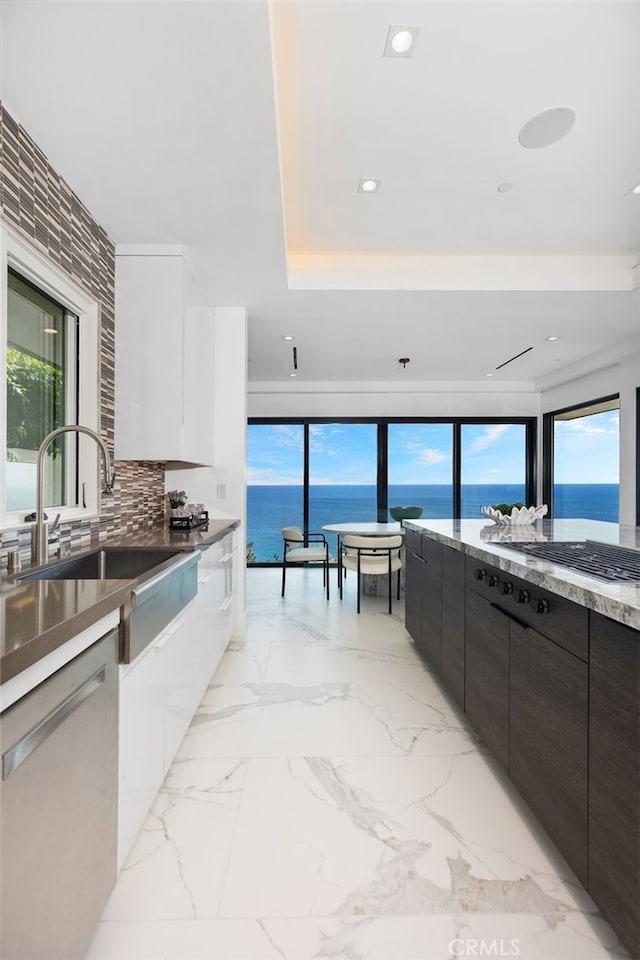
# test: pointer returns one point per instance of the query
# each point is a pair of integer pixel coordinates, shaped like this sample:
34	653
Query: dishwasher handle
23	749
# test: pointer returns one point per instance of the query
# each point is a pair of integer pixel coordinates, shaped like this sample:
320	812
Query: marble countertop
489	543
37	617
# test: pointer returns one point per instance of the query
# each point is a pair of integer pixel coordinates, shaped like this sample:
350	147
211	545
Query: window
420	467
275	457
313	472
41	394
342	473
582	447
493	465
49	358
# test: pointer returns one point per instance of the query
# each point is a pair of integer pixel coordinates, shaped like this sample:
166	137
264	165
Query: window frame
35	268
548	445
531	433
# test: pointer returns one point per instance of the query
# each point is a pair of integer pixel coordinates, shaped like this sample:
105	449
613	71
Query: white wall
388	400
619	372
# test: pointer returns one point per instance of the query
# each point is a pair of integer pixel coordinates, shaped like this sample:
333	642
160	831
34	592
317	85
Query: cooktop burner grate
603	560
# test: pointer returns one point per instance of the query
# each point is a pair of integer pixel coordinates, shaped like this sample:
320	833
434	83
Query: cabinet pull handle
23	749
225	603
227	557
419	559
510	616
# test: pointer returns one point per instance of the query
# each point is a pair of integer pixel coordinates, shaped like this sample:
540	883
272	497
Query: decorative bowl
520	516
405	513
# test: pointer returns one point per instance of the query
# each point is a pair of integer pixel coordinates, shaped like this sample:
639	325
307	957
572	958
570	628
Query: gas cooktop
603	560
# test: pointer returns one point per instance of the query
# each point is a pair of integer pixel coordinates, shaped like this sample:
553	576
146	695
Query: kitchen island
545	662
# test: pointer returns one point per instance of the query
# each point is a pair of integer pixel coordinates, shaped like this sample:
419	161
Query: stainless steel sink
165	582
107	563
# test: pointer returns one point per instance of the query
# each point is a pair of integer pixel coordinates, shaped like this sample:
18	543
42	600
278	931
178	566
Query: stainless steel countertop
488	542
36	617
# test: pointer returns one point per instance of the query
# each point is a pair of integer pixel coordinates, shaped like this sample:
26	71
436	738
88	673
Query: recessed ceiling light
635	191
289	337
488	374
293	374
550	339
368	185
401	41
504	187
546	128
49	330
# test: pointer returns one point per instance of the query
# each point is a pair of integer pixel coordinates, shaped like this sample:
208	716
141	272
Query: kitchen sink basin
107	563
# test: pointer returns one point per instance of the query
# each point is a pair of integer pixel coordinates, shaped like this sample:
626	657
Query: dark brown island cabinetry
453	626
487	674
413	586
548	745
432	603
434	609
554	691
614	776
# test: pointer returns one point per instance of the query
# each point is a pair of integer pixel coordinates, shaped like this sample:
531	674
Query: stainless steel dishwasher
58	808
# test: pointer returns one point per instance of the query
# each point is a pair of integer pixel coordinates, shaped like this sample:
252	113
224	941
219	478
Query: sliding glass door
493	465
420	467
582	445
342	473
312	472
275	487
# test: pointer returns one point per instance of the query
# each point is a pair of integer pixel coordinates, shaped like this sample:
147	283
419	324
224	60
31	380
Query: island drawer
559	619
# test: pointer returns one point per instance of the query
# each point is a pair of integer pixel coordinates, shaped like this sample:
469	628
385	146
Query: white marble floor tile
329	801
178	863
359	938
359	658
291	719
321	836
245	660
184	940
426	719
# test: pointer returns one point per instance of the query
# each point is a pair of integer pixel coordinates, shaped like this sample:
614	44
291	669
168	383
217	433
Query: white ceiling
166	120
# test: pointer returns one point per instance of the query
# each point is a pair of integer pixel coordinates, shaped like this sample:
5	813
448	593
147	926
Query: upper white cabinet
164	359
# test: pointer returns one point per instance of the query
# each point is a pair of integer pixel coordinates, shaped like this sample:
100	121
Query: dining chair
298	548
372	555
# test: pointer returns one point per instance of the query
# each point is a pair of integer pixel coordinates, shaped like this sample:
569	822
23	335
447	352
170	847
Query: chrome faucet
39	532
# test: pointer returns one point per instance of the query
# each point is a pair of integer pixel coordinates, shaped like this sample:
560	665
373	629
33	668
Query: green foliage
506	508
34	400
251	557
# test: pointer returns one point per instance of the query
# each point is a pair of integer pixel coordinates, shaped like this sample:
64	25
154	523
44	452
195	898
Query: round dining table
362	528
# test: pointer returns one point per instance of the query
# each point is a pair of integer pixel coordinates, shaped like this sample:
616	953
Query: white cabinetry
161	690
164	359
211	622
141	744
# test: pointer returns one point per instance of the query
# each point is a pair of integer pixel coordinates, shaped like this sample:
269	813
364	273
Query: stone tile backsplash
40	205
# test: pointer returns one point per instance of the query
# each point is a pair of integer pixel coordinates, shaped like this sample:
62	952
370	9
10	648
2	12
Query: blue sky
345	453
587	449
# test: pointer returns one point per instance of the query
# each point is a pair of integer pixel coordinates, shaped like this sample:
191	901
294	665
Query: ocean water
269	508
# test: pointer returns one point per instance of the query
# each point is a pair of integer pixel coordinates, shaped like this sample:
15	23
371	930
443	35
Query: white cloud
263	476
585	429
288	436
490	436
432	455
320	437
